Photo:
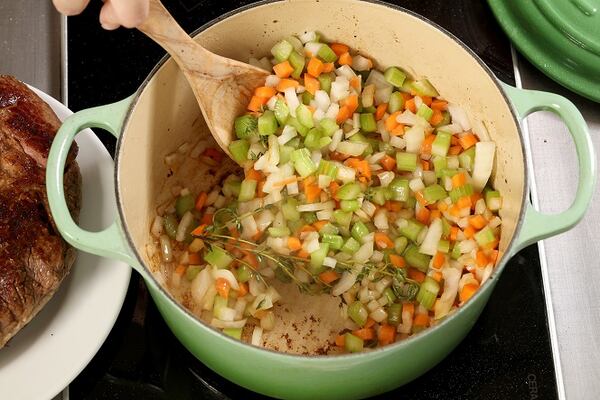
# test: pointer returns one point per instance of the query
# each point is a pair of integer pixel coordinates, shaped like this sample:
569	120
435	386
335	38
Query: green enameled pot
163	114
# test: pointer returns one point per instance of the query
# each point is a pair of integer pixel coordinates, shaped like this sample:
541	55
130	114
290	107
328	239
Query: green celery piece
217	257
298	62
444	246
358	313
267	123
467	158
324	141
325	82
282	50
279	232
239	150
184	204
455	251
399	189
307	97
243	273
311	141
342	218
485	237
329	229
327	54
301	129
247	190
290	209
352	343
309	217
457	193
395	76
328	126
246	126
441	144
396	102
367	122
434	193
192	271
416	259
235	333
349	205
304	116
349	191
281	111
303	163
412	230
428	292
327	168
335	241
423	87
439	164
400	244
425	112
285	154
170	224
351	246
317	257
406	161
395	314
493	199
446	119
359	231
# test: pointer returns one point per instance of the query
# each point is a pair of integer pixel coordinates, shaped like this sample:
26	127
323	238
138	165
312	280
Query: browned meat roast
34	258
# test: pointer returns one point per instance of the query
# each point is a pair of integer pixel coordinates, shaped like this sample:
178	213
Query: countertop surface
570	262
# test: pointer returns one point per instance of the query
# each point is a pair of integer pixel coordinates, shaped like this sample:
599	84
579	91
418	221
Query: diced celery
247	190
412	229
396	102
410	202
493	200
416	259
466	158
395	76
349	205
358	138
446	119
281	111
351	246
455	251
388	293
485	237
290	209
327	168
349	191
342	218
439	164
217	257
400	244
441	144
358	313
335	242
184	204
367	122
267	124
305	116
325	82
434	193
297	61
301	129
445	228
303	164
428	292
282	50
423	87
235	333
329	229
406	161
462	191
309	217
279	231
425	112
295	225
239	150
379	195
324	141
192	271
170	224
219	304
311	141
395	314
443	246
353	344
246	126
326	53
370	109
399	189
307	97
317	257
359	231
285	154
295	143
243	273
328	126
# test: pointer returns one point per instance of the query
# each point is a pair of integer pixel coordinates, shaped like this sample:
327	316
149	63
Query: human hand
114	13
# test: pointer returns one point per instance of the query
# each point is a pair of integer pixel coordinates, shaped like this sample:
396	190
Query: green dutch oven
163	114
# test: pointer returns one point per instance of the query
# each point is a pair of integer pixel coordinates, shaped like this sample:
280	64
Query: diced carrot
423	215
477	221
199	230
436	118
439	259
481	259
315	67
388	163
387	334
180	270
406	96
201	200
286	83
439	105
253	174
352	102
425	165
454	150
339	48
303	254
361	166
294	243
333	188
329	276
437	275
468	291
365	333
380	111
343	114
259	189
459	180
207	219
427	142
222	286
340	341
251	259
464	202
454	233
194	258
355	82
312	193
398	130
285	181
397	261
442	206
454	211
454	141
393	206
307	228
328	67
256	103
390	122
410	105
256	237
265	91
434	214
383	241
475	198
311	84
420	198
426	100
468	141
421	320
469	232
409	308
243	290
283	70
320	224
416	275
345	59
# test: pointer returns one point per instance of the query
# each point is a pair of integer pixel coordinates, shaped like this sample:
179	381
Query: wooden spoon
222	86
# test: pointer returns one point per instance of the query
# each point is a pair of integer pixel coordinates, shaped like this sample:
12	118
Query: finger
108	18
130	13
70	7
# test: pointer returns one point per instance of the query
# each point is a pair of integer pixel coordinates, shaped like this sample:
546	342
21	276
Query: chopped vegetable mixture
360	183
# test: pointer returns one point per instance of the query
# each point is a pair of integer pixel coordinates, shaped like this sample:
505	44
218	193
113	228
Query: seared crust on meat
34	258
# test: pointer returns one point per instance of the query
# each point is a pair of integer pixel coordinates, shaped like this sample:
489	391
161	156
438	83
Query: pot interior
166	120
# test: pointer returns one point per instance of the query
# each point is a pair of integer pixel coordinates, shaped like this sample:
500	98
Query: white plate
48	353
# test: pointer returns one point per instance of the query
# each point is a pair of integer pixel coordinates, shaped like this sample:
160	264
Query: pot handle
107	243
537	226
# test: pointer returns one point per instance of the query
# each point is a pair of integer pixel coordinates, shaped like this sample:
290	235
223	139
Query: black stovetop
507	355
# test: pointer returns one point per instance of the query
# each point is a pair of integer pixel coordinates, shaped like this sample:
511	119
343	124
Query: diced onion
414	139
329	262
336	139
257	336
324	215
272	81
228	276
200	285
332	111
379	315
398	142
249	227
363	253
381	220
217	323
346	72
459	116
328	205
346	282
385	178
351	148
322	100
165	247
157	226
484	162
292	100
183	226
312	47
432	239
288	133
360	63
311	243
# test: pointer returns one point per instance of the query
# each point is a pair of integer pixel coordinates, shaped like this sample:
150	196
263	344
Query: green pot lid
560	37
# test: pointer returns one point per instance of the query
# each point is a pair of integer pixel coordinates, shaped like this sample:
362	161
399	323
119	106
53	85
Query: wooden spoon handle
161	27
